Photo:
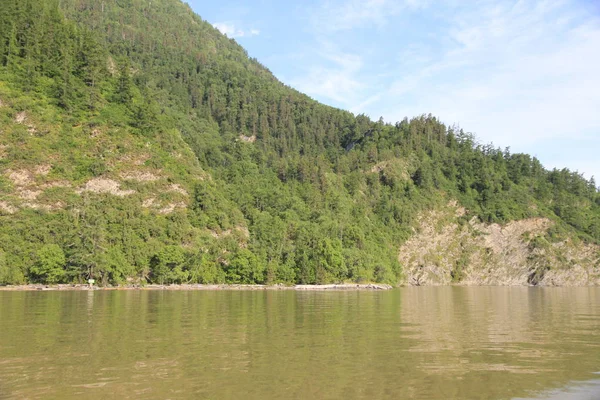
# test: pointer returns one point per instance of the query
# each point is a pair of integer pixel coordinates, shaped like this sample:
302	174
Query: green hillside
138	144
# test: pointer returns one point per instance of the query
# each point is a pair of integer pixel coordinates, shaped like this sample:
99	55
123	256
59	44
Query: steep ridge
138	144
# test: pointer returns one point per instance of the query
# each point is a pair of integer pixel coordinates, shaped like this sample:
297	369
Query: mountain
138	144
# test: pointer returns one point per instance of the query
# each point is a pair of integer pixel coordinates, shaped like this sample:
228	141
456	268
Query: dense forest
138	144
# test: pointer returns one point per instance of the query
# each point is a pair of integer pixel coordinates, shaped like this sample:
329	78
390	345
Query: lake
421	343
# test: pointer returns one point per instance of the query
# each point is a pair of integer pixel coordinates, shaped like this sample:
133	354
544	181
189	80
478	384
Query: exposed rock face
26	194
169	208
7	208
140	176
248	139
28	191
43	169
20	178
177	189
103	185
447	250
21	117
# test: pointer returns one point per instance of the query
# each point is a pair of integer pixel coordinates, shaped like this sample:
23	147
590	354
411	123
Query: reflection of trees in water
474	333
449	342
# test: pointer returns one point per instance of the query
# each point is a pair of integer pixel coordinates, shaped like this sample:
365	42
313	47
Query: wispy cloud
334	79
334	74
346	15
229	29
519	73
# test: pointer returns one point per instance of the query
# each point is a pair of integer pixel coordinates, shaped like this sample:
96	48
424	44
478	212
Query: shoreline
196	287
240	287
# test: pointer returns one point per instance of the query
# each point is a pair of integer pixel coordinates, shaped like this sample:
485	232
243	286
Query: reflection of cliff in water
498	339
421	343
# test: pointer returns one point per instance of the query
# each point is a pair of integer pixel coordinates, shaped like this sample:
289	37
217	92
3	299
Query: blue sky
524	74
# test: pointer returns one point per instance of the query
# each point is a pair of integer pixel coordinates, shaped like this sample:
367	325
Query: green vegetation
138	144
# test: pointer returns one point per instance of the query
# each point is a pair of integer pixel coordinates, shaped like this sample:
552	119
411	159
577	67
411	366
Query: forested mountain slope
139	144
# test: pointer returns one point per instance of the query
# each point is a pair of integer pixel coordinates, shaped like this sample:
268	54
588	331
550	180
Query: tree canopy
273	186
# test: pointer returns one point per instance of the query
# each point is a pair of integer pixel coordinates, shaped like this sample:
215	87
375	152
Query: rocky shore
335	287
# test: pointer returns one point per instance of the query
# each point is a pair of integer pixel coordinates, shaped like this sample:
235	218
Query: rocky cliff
448	247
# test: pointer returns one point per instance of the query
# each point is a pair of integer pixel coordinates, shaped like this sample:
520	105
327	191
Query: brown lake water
421	343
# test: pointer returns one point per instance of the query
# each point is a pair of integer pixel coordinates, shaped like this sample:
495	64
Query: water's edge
33	287
191	287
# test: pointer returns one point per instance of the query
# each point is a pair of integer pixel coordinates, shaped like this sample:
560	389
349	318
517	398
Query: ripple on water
425	343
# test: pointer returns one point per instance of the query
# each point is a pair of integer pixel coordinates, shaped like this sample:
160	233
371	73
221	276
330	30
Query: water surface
422	343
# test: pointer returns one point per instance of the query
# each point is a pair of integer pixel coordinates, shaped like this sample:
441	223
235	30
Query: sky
521	74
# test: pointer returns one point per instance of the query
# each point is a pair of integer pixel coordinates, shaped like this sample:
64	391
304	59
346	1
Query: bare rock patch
111	66
135	159
379	167
20	178
141	160
140	176
27	194
21	117
37	206
59	205
171	207
176	188
445	250
43	169
95	133
105	185
56	184
148	202
7	208
248	139
227	232
243	230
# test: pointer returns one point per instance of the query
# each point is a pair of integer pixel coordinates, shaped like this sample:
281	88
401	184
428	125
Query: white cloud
519	73
510	69
350	14
335	79
515	74
229	29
